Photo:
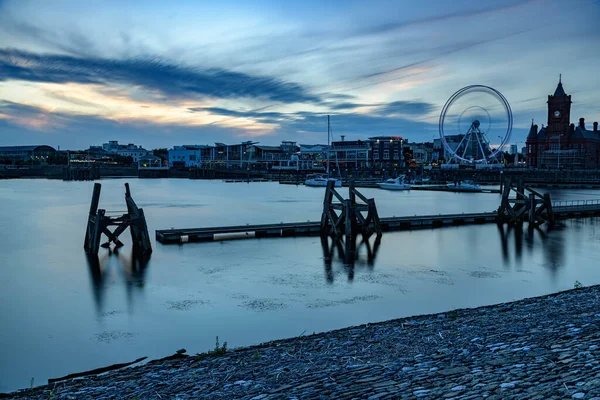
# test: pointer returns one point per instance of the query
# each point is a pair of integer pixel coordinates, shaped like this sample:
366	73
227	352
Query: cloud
255	114
79	131
406	108
153	74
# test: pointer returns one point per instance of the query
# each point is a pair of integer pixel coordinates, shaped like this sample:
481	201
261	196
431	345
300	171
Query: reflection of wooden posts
99	222
533	207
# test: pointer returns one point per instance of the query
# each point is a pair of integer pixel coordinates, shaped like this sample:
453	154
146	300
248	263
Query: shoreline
540	347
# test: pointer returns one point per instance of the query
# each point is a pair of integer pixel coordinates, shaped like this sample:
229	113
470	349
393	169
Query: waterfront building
125	150
38	153
561	144
187	155
151	162
422	153
350	154
386	151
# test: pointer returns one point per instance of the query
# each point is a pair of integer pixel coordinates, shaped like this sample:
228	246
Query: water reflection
348	255
549	238
132	269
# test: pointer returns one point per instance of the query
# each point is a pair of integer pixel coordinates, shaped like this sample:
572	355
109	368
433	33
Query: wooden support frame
99	223
350	221
527	205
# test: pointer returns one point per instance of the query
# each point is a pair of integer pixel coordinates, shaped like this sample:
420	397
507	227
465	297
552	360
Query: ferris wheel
475	124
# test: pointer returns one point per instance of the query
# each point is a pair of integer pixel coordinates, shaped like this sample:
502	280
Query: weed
452	315
578	285
218	351
256	356
31	383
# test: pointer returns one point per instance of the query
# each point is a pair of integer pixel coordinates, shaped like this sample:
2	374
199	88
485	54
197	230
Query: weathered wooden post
92	232
98	224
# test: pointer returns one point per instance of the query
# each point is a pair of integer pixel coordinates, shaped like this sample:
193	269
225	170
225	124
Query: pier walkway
562	210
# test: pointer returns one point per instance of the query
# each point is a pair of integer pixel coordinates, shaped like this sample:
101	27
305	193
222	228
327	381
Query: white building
126	150
187	155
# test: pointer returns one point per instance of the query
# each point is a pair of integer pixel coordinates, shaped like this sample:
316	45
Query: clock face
557	113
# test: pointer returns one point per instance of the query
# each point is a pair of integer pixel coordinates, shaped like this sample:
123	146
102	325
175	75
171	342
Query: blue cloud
406	108
151	73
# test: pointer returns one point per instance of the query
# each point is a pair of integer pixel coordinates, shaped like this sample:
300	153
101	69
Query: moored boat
321	181
395	184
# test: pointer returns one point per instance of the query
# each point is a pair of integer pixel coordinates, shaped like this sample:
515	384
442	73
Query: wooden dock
445	188
562	210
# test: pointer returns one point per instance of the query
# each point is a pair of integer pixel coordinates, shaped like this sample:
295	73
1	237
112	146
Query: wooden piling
99	223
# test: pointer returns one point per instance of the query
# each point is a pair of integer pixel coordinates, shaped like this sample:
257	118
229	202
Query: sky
159	74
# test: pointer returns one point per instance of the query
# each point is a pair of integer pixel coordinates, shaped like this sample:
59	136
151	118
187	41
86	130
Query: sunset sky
158	73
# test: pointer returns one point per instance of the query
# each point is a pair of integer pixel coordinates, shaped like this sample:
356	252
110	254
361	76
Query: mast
328	151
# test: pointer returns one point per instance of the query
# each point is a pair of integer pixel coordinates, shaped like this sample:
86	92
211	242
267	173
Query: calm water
59	315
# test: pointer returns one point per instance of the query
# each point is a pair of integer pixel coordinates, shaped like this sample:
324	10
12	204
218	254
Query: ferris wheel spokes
475	145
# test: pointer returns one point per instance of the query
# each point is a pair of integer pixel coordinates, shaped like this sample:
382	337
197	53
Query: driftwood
96	371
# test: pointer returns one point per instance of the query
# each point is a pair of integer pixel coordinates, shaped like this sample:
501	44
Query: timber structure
527	205
346	217
99	223
561	210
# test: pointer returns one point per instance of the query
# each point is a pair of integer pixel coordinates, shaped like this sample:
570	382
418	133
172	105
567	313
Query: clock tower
559	113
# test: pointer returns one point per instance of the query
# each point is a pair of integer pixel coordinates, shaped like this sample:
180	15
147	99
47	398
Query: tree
162	153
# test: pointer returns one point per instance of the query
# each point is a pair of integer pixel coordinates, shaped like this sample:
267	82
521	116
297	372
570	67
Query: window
386	154
192	157
376	155
396	155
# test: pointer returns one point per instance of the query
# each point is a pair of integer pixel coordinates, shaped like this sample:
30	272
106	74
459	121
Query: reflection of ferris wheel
471	139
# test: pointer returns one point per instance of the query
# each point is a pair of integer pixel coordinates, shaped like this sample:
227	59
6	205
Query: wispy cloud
178	81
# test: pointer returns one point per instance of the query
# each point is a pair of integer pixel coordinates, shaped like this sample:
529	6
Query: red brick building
561	144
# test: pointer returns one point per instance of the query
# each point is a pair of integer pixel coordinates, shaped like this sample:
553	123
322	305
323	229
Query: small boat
394	184
464	186
321	181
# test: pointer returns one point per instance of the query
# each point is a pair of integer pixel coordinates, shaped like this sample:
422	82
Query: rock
578	395
421	392
453	371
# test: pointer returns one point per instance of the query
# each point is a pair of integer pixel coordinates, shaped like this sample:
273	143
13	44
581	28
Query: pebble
533	342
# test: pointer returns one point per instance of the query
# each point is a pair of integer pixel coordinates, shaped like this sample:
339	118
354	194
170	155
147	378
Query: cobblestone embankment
540	348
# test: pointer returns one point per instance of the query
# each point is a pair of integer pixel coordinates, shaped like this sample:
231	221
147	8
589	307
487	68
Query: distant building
440	152
561	144
125	150
307	158
187	155
26	153
386	151
151	162
349	154
422	153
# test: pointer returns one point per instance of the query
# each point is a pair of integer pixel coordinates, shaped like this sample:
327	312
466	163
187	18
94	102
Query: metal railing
577	205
